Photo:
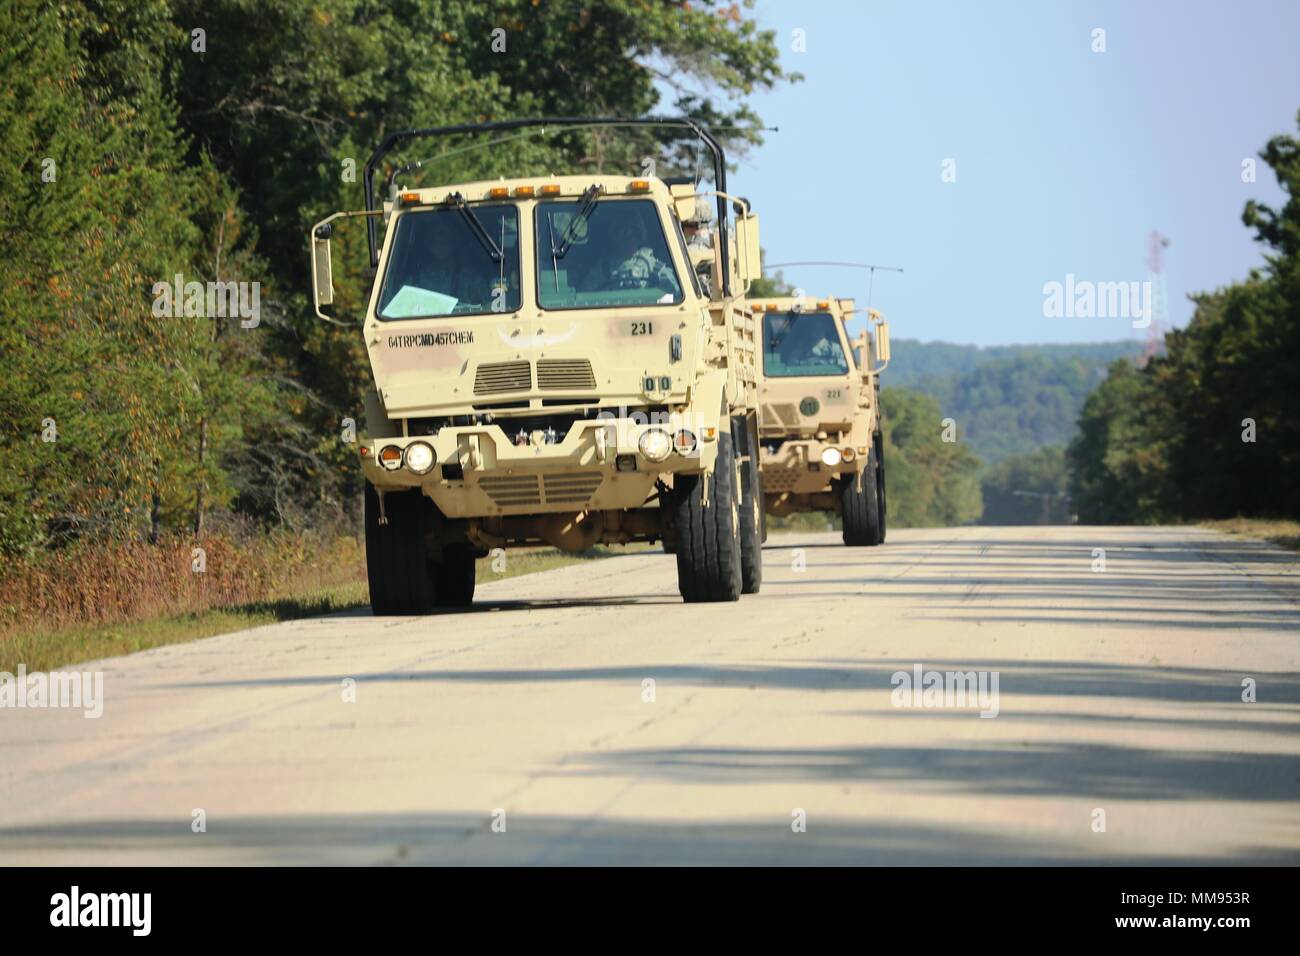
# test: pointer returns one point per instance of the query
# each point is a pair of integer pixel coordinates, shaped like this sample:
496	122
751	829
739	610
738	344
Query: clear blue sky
1066	159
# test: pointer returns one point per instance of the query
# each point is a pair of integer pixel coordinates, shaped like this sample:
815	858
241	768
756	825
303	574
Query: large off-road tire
708	536
878	443
397	560
751	511
859	509
455	575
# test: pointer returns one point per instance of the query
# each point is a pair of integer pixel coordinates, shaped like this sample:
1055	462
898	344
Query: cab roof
535	187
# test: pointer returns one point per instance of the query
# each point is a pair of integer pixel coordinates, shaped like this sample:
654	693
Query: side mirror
747	248
321	266
882	339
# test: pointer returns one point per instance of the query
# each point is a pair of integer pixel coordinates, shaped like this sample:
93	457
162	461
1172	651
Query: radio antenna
870	267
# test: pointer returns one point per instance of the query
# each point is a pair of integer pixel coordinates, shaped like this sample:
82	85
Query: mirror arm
321	233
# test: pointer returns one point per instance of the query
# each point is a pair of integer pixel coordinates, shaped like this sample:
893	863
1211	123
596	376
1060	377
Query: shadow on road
460	839
1018	678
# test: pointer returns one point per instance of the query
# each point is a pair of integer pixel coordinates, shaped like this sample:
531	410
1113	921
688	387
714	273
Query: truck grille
571	374
510	490
575	489
499	377
516	491
779	480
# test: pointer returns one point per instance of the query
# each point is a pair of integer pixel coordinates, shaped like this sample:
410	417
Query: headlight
831	457
655	444
419	457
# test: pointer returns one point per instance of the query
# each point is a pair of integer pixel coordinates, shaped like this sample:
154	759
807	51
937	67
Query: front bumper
480	472
796	467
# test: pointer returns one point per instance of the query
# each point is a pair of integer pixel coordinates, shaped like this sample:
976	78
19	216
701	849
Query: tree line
1208	429
148	139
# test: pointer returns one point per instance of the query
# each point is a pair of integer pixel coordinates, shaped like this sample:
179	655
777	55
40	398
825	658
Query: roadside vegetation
58	618
1208	430
1283	533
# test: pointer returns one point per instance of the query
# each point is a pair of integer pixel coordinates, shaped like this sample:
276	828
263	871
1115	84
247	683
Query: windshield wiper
476	227
584	212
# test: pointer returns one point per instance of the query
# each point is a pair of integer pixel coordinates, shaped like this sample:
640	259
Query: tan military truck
820	422
548	369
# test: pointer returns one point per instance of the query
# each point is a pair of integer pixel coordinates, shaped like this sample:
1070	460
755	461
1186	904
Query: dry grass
130	581
1283	533
99	602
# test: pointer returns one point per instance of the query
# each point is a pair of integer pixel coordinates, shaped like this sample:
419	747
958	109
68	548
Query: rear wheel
397	561
708	535
751	512
879	444
859	508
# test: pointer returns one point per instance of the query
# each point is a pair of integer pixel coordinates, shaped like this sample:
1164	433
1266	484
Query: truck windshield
802	343
440	266
618	256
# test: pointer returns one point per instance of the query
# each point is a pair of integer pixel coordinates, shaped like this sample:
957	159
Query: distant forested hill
1011	399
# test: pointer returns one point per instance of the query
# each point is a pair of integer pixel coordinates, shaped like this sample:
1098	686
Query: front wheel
456	574
708	534
397	561
859	508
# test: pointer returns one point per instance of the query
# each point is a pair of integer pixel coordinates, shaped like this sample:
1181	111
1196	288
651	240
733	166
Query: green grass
805	521
44	651
1283	533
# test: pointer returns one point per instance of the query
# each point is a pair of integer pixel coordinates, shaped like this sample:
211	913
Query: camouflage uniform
642	269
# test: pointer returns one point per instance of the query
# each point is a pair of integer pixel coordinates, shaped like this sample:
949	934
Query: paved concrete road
1120	692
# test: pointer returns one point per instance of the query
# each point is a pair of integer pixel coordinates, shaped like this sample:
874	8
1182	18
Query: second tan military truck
820	427
548	368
